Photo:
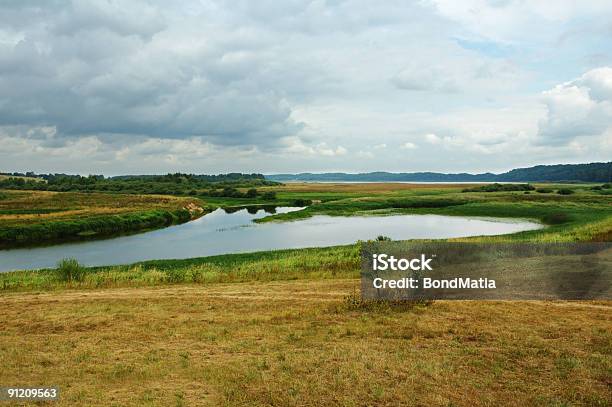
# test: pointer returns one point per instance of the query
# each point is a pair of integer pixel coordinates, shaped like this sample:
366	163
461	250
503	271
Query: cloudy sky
209	86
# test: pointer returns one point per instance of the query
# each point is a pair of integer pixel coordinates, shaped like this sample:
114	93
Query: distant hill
593	172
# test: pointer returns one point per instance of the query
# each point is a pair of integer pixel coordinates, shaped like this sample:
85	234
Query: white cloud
295	145
432	138
582	107
365	154
323	149
518	20
408	146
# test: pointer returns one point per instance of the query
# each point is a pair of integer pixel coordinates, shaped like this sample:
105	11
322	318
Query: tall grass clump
70	270
355	302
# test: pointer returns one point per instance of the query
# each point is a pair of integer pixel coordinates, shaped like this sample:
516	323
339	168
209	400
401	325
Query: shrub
565	191
500	188
251	193
269	195
70	270
175	275
606	186
302	202
544	190
382	238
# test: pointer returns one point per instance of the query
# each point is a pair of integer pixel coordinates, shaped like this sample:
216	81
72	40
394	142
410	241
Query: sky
214	86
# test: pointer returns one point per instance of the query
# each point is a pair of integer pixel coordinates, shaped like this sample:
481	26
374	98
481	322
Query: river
221	232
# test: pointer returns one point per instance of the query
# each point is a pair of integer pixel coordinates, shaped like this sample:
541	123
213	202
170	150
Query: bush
251	193
382	238
565	191
500	188
302	202
70	270
544	190
269	195
606	186
175	275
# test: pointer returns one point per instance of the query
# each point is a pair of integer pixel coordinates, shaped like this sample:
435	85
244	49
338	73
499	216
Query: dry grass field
370	187
28	207
302	343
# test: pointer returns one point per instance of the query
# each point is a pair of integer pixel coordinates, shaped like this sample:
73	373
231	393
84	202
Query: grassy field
29	217
316	263
288	327
302	343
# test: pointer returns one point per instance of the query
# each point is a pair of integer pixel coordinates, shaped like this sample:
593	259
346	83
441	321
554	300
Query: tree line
224	185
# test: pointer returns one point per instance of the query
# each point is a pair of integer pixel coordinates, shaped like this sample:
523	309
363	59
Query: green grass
315	263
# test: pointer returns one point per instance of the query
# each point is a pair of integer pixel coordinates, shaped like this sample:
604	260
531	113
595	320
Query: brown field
41	206
361	187
301	343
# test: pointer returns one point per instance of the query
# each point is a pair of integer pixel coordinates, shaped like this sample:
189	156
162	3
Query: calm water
220	232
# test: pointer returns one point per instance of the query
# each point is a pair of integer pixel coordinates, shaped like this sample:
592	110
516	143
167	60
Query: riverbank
302	342
316	263
29	218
